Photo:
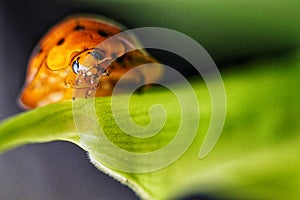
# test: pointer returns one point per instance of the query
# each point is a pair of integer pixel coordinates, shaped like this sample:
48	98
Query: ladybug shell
50	76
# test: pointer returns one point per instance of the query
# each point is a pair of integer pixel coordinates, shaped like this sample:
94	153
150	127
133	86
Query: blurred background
231	32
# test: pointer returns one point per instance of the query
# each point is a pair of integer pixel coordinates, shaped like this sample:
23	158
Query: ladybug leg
89	92
103	71
106	72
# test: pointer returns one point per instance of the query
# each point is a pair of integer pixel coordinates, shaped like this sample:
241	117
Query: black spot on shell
102	33
60	42
79	28
121	60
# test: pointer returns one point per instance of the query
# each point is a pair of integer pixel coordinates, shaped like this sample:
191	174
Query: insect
68	57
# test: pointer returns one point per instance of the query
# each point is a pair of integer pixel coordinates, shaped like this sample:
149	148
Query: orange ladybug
68	57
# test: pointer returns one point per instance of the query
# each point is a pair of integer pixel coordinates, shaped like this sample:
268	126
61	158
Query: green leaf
257	156
53	122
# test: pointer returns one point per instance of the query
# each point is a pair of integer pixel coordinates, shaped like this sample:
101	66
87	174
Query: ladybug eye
75	67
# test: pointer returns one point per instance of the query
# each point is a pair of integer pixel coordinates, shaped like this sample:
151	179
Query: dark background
61	170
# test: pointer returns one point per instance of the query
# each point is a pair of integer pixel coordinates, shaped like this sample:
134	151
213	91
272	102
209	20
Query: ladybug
69	57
